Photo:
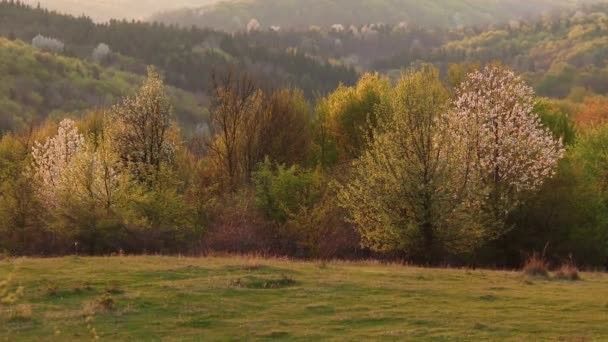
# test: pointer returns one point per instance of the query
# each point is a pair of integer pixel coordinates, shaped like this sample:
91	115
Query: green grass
210	299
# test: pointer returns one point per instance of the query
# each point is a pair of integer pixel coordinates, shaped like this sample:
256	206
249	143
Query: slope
300	14
36	85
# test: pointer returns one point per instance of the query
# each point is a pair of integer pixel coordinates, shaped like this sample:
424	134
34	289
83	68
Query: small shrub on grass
238	283
106	302
536	266
259	283
284	281
567	271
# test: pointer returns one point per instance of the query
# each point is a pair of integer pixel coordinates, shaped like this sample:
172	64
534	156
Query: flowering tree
405	193
52	159
95	177
47	44
101	52
140	127
253	25
511	153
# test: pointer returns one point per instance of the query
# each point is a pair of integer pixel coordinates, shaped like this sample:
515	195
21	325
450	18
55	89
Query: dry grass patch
20	313
536	266
567	271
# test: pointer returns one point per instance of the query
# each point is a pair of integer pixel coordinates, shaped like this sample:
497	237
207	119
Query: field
210	299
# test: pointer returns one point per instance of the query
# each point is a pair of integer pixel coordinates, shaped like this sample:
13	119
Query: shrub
282	192
106	302
237	227
568	271
536	266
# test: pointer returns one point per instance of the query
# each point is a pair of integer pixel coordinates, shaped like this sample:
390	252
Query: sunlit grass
175	299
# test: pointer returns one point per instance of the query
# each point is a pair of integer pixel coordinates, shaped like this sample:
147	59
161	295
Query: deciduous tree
512	153
406	186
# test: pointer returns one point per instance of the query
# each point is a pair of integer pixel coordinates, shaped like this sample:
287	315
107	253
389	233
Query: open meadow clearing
177	299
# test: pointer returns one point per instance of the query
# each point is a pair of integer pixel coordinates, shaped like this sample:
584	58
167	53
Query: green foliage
139	183
187	57
347	116
20	211
36	83
404	193
282	192
557	120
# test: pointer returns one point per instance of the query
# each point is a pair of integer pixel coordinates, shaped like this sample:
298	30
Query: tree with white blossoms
95	176
101	52
49	44
52	159
508	152
253	25
140	127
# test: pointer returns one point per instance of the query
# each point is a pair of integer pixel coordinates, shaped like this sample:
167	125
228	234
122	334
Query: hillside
557	54
186	299
187	57
36	85
300	14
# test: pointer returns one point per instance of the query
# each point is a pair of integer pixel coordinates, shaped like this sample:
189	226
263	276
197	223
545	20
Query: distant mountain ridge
104	10
301	14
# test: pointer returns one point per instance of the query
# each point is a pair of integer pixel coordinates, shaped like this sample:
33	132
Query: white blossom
52	159
508	151
337	28
43	43
253	25
101	52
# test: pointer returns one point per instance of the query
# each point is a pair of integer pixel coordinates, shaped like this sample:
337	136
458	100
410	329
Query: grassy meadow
218	299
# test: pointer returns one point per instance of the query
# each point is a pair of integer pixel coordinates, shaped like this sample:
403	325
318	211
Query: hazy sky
102	10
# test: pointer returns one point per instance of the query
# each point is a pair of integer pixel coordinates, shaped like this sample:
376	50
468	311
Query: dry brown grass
567	271
536	266
20	313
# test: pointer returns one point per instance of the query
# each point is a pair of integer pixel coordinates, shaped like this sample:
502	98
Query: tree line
481	172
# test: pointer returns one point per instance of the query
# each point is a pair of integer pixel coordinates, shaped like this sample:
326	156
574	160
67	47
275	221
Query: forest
476	145
301	14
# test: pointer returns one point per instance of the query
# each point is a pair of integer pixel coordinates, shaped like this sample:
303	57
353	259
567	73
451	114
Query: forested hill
558	54
300	14
187	57
36	85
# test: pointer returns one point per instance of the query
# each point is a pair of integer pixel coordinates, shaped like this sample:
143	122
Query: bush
237	227
536	266
568	271
283	192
